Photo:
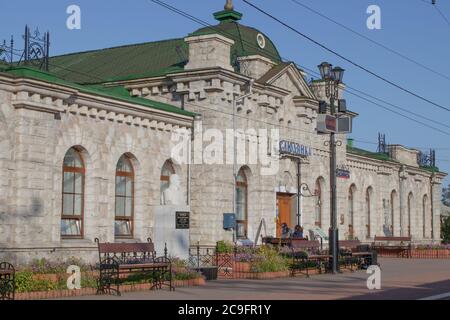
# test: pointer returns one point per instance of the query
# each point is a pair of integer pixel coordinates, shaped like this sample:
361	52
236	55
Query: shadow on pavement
410	293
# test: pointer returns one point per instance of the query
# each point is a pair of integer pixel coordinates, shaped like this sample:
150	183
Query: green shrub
224	247
269	260
44	266
24	281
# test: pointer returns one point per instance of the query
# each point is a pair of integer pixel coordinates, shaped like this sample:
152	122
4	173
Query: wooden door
284	205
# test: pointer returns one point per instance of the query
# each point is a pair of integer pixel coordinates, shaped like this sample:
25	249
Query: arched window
319	203
72	195
393	204
424	215
368	210
241	204
351	210
410	200
123	227
166	171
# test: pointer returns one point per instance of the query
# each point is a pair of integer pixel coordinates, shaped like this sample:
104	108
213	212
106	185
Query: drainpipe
400	188
299	214
432	206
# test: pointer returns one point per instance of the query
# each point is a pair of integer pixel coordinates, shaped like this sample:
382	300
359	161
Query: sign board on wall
343	172
294	149
182	220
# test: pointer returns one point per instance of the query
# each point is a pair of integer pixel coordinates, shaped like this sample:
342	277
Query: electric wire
357	65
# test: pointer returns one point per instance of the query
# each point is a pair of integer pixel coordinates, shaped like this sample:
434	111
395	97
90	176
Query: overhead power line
434	4
442	14
398	113
385	47
206	24
390	104
299	66
359	66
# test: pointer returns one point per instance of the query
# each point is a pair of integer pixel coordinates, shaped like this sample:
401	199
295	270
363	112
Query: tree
445	222
446	196
445	230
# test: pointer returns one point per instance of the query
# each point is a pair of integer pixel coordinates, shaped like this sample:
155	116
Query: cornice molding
50	98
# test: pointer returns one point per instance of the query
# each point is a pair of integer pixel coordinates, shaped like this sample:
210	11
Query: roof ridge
115	47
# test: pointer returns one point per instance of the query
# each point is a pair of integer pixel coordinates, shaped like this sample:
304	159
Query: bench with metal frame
352	252
7	281
401	246
304	252
281	242
118	259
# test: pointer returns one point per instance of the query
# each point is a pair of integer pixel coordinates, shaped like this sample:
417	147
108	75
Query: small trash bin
210	273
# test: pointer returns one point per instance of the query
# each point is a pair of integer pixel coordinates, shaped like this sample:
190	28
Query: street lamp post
333	78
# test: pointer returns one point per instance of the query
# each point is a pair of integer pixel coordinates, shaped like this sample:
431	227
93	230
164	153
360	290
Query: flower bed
44	280
55	294
264	262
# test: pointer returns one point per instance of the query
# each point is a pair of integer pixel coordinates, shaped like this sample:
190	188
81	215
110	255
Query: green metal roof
118	93
383	156
245	43
430	168
158	58
122	63
369	154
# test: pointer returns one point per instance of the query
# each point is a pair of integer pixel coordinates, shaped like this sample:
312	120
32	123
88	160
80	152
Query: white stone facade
286	102
37	127
40	122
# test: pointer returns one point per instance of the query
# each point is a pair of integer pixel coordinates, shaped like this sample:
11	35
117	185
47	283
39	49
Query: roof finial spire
229	5
228	14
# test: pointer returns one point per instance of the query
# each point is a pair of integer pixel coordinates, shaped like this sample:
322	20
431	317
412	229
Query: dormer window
261	41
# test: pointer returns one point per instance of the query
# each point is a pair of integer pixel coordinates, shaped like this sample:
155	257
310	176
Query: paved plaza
400	279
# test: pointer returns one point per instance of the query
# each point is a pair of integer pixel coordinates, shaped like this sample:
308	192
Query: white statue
173	195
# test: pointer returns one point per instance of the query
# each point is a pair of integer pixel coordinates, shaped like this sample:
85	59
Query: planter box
420	254
430	253
55	294
242	267
272	275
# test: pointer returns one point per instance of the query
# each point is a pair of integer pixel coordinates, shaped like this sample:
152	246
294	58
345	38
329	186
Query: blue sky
412	27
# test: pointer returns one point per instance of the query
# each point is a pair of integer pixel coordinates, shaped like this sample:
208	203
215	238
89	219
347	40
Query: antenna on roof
382	143
7	51
427	160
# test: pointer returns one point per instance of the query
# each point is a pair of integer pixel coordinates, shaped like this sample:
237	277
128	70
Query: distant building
86	150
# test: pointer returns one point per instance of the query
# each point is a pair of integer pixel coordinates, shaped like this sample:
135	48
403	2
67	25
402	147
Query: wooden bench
276	241
352	252
118	259
400	246
7	281
305	252
281	242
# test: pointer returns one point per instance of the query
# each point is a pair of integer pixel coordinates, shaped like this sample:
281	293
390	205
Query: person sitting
285	231
298	232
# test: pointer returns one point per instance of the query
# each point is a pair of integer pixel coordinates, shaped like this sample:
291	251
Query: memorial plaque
182	220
